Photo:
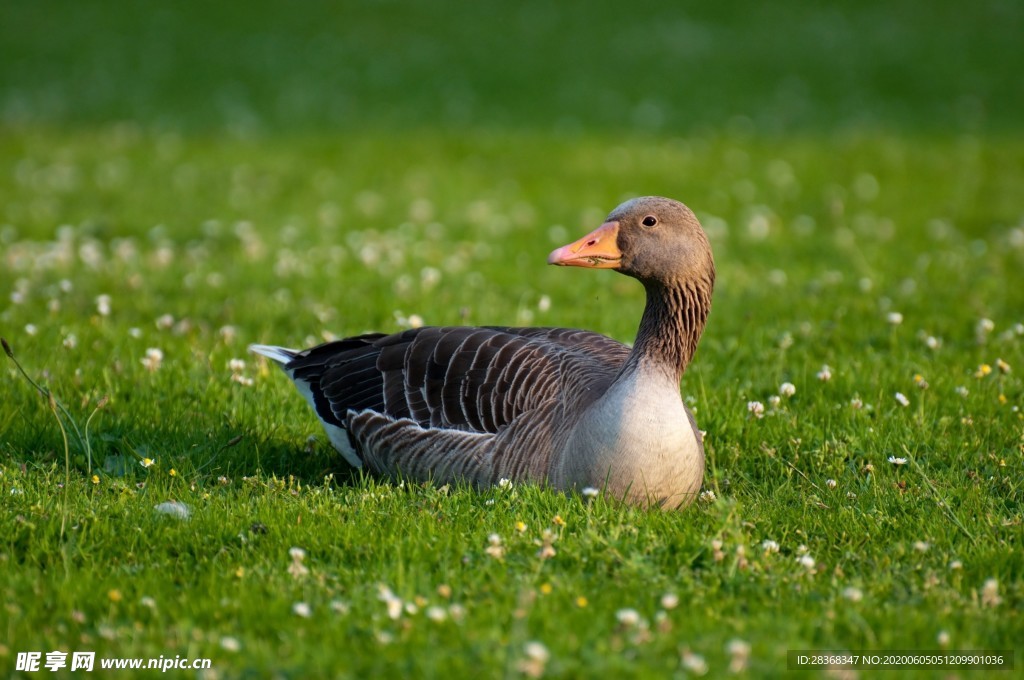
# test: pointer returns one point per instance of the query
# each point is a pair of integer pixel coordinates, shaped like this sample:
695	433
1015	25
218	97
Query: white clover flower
544	304
902	399
825	374
437	614
694	663
70	341
831	483
236	365
103	305
894	318
628	617
853	594
990	593
30	329
806	561
504	483
590	492
787	389
856	403
669	601
297	554
962	391
769	546
774	401
153	359
942	638
708	496
164	321
755	408
230	644
302	609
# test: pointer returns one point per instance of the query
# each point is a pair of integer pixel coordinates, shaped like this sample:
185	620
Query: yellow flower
546	588
173	473
982	371
1002	398
520	526
581	602
558	521
95	479
114	595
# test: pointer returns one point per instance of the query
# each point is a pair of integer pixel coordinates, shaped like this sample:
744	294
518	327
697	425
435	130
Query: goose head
656	240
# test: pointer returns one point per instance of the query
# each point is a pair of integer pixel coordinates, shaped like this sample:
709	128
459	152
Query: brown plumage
569	408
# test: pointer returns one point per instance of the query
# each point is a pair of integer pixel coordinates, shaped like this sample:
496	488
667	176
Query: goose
568	408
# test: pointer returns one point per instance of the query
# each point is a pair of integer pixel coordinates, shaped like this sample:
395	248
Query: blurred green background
666	67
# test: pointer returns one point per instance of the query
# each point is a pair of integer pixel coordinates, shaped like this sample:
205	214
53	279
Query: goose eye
649	221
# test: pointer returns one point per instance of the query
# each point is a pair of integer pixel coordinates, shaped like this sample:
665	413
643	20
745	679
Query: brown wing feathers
470	379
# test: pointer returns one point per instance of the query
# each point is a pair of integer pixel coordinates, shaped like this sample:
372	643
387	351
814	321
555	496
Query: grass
205	172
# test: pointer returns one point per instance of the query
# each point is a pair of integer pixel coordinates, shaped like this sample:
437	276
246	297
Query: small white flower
897	461
932	342
70	341
135	332
164	322
628	617
103	305
769	546
230	644
297	554
962	391
755	408
856	404
990	593
774	401
853	594
806	561
895	318
147	462
669	601
902	399
437	614
831	483
31	329
694	663
153	359
825	374
708	496
536	651
986	326
787	389
544	304
236	365
739	653
956	565
302	609
921	546
590	492
942	638
504	483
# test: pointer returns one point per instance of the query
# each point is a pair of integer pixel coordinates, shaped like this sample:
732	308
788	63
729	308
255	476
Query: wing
469	379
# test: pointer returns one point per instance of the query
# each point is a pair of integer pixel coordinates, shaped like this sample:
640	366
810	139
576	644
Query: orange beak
597	250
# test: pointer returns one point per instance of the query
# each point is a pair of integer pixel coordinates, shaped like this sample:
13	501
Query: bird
570	409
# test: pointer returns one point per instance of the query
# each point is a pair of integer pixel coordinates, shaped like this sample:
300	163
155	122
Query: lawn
177	182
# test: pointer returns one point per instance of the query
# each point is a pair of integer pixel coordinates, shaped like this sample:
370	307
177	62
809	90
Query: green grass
274	176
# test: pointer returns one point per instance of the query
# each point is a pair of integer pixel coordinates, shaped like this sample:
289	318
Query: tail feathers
281	355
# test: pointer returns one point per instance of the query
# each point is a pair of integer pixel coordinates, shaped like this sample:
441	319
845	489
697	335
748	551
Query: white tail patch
281	355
